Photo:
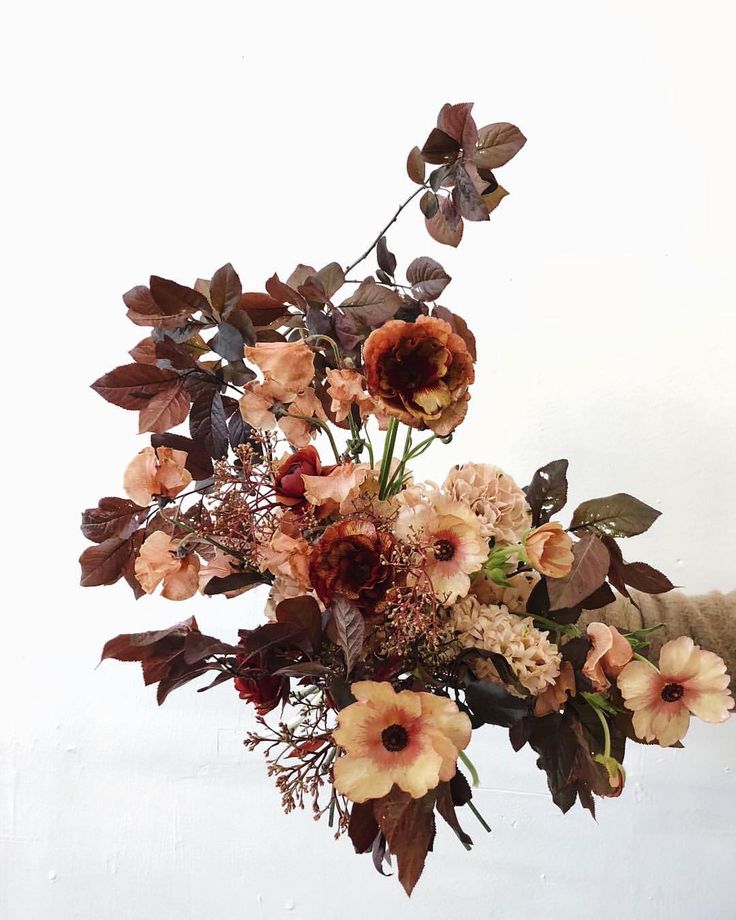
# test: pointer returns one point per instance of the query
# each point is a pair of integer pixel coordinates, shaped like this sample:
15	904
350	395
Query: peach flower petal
287	366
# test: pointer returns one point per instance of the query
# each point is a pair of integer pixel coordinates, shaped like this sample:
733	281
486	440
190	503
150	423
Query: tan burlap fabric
709	619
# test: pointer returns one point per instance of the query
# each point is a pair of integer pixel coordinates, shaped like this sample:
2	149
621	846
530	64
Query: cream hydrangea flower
494	498
533	658
453	538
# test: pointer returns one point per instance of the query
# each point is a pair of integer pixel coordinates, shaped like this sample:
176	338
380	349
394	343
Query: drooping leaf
466	196
547	492
492	704
238	581
225	291
143	310
589	570
458	123
104	563
363	827
275	635
446	226
113	517
303	611
415	166
646	578
207	420
497	144
167	409
350	630
446	809
408	825
618	515
133	386
427	278
386	259
429	204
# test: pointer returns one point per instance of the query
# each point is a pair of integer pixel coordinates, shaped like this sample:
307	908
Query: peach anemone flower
158	471
453	537
159	561
407	738
689	681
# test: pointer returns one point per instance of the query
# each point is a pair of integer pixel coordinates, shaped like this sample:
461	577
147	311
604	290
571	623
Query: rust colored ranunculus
351	560
420	373
288	476
255	685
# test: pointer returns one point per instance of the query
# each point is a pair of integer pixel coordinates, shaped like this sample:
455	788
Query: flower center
395	738
443	550
671	693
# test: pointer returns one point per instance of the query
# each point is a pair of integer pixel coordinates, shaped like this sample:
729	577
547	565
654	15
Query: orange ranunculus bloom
158	471
350	559
549	550
410	739
419	373
608	655
689	680
158	562
287	367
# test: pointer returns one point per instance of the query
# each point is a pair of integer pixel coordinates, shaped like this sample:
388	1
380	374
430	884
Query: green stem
474	778
606	731
479	816
318	423
388	453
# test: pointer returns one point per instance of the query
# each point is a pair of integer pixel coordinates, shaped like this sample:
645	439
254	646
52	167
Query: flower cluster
399	616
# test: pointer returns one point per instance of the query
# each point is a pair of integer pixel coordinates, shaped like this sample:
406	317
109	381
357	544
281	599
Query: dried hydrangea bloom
689	680
549	550
514	597
533	658
452	537
153	472
159	561
419	373
408	739
494	498
609	653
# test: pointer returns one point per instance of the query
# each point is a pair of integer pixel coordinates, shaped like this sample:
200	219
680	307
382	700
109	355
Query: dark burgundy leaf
207	420
415	166
104	563
643	577
429	204
440	148
446	226
601	597
363	826
492	704
446	809
228	342
589	570
238	430
262	308
113	517
460	789
618	515
497	144
235	582
408	825
427	278
467	197
167	409
386	259
547	492
144	311
225	290
133	386
304	612
175	298
350	630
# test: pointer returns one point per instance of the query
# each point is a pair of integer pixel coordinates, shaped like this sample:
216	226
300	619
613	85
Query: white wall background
172	137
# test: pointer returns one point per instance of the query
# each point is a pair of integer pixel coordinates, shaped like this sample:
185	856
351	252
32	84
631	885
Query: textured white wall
172	137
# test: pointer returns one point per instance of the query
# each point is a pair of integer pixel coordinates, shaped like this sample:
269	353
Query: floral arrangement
401	615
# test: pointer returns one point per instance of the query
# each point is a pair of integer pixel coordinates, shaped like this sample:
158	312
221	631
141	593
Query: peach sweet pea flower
608	655
340	484
158	471
287	367
410	739
549	550
220	566
256	404
348	388
453	536
286	555
158	562
689	680
297	431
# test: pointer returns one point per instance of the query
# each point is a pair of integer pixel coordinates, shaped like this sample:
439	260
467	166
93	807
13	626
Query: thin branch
393	220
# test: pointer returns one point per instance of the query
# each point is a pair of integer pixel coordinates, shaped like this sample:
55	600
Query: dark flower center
671	693
395	738
443	550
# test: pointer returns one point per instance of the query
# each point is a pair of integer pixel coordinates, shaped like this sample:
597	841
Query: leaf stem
474	778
